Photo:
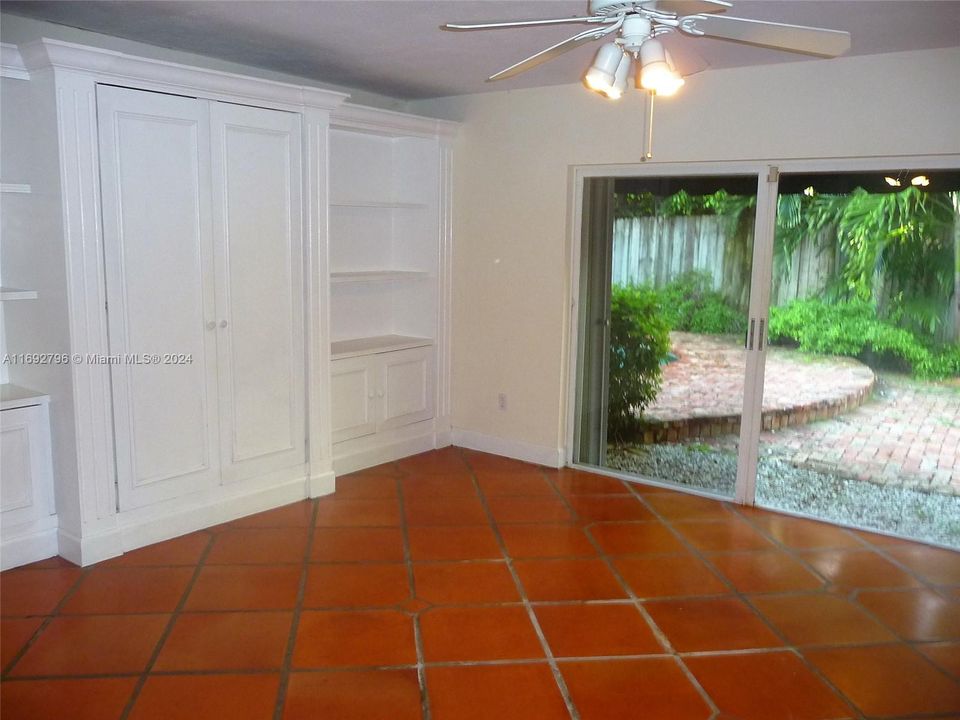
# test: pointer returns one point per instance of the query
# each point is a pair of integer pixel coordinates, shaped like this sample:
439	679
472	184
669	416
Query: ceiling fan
637	26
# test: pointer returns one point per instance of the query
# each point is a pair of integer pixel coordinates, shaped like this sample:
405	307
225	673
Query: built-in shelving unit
363	276
389	266
384	229
9	293
16	188
15	396
374	345
384	204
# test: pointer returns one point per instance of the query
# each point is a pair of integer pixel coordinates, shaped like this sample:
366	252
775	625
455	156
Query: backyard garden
861	403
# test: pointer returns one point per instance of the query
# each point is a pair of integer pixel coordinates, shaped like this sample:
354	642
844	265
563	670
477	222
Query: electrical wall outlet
502	401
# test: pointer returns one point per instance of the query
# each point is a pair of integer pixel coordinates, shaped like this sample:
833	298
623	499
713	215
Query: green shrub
639	341
692	305
852	328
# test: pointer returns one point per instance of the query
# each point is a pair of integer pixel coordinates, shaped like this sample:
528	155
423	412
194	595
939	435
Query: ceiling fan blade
686	60
687	7
794	38
551	52
520	23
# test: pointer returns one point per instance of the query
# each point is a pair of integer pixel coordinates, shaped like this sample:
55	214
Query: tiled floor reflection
457	586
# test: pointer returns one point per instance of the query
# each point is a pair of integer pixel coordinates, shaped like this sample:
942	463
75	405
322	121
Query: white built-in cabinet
27	507
388	279
377	392
202	243
256	297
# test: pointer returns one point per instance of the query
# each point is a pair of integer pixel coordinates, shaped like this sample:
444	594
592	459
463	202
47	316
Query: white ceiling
395	47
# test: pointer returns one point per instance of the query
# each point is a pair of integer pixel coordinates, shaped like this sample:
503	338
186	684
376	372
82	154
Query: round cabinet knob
371	395
211	324
380	394
223	323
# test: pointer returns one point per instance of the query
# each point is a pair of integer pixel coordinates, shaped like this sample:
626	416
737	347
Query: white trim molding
119	68
11	63
23	549
516	449
389	122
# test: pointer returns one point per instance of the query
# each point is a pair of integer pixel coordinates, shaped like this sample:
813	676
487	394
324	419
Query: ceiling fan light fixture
657	71
920	181
892	181
602	75
616	90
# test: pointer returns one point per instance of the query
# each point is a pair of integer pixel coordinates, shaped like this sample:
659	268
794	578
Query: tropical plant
690	304
898	242
852	328
639	342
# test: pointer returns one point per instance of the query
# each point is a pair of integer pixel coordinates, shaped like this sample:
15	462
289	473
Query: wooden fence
656	250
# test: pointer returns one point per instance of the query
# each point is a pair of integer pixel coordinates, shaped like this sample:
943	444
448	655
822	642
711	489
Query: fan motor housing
607	8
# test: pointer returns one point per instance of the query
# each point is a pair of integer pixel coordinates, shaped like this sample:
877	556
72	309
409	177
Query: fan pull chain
648	143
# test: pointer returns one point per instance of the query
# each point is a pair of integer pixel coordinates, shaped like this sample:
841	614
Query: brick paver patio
818	413
907	434
702	391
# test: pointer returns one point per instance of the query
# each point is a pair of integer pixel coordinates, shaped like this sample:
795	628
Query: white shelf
16	188
373	345
14	396
390	205
9	293
366	276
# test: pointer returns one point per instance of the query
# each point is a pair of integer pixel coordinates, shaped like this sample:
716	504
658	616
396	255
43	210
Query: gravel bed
783	486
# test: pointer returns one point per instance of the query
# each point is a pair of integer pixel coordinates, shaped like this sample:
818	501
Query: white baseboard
135	532
528	452
182	522
385	453
322	484
27	548
92	548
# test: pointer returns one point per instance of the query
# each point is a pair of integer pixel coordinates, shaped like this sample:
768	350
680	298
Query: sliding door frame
767	173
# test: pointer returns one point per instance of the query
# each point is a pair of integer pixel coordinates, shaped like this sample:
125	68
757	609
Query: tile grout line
295	620
660	636
789	647
425	710
853	595
531	615
45	623
798	553
161	641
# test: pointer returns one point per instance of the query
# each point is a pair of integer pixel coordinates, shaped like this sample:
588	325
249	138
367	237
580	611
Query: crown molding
390	122
11	64
119	67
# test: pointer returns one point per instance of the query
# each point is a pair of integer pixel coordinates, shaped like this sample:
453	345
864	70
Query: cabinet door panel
353	397
256	156
159	279
407	387
16	469
26	475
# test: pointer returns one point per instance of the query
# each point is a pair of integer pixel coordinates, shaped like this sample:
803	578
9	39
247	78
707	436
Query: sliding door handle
753	327
760	335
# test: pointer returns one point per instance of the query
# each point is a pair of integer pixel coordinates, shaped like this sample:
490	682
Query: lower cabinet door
26	475
353	397
406	387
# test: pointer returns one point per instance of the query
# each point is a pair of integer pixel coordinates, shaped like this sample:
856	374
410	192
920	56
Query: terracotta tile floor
459	586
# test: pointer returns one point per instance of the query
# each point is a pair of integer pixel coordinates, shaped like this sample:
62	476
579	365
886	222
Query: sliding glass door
665	278
861	395
788	339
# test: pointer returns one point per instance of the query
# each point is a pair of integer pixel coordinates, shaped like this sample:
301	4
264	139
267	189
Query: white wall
511	169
